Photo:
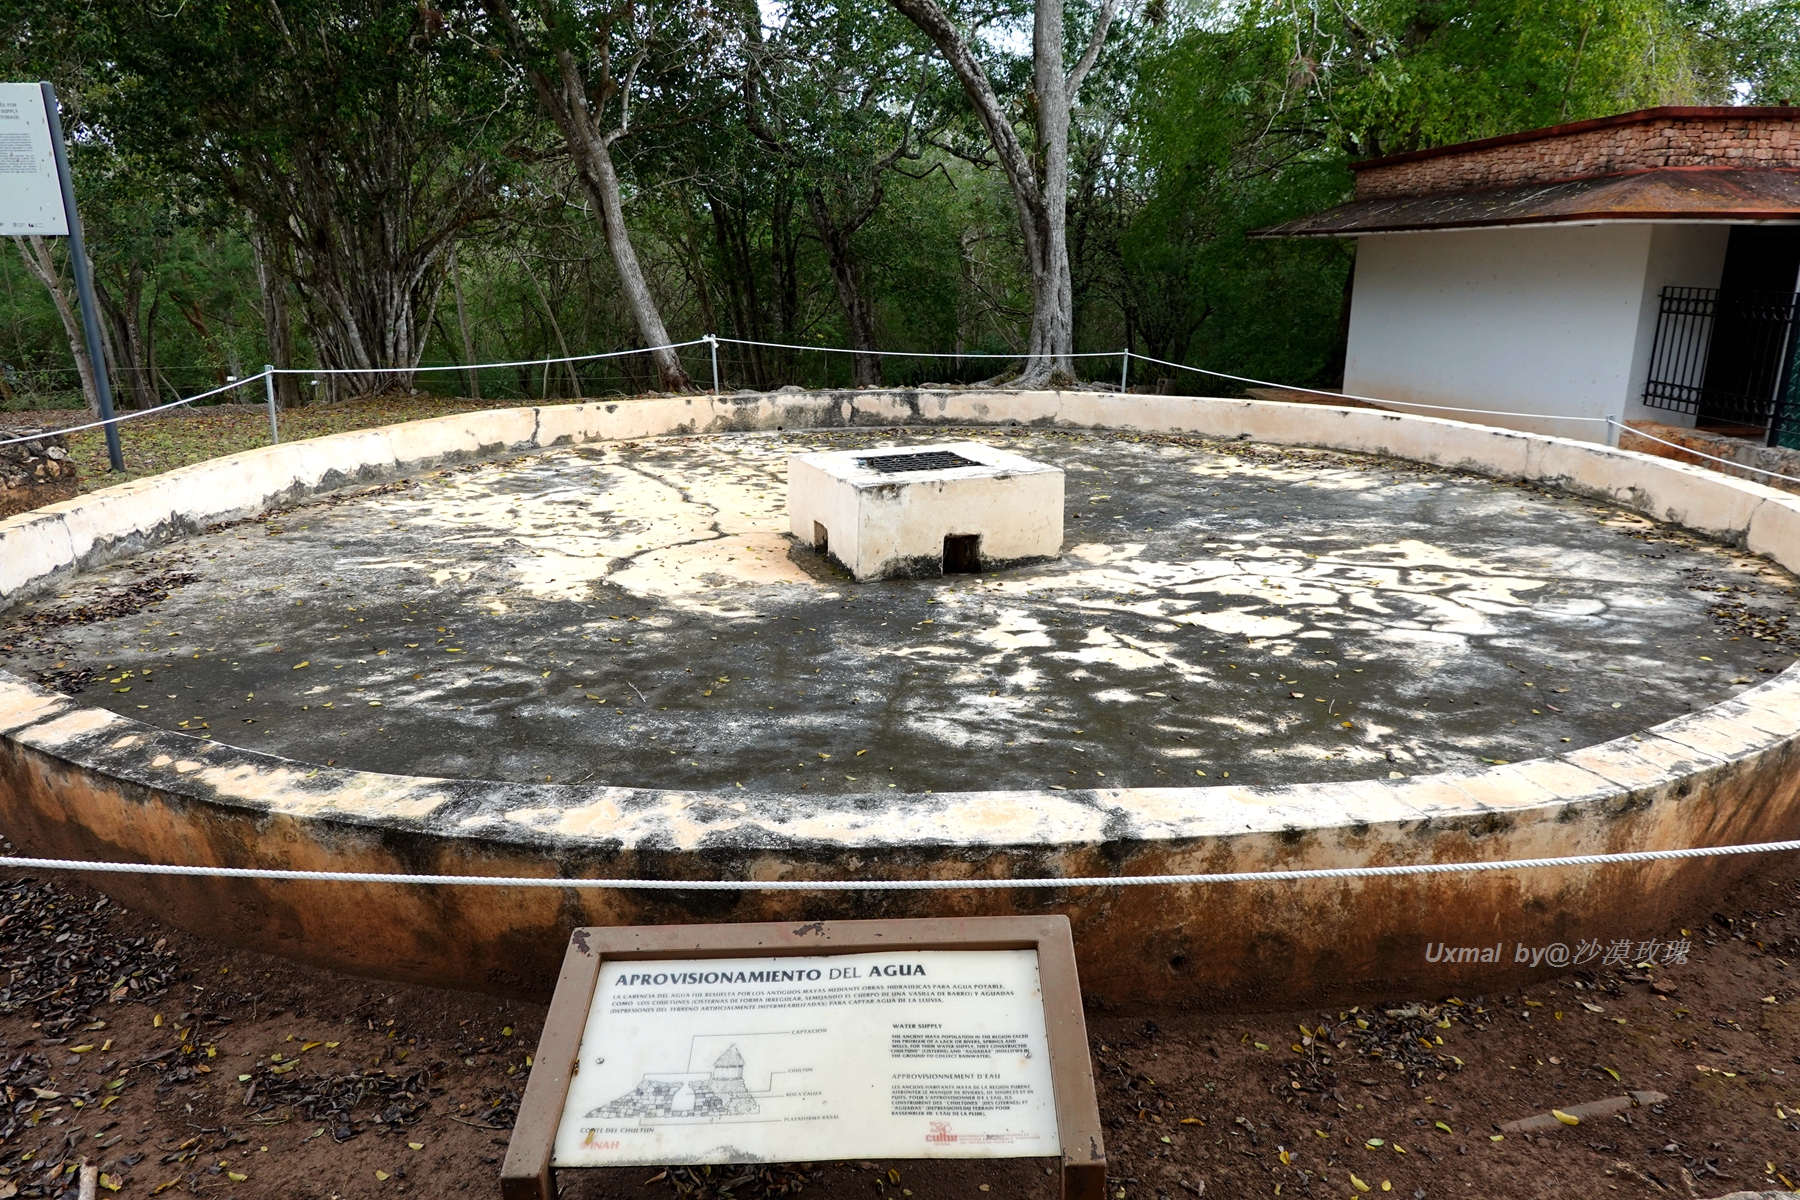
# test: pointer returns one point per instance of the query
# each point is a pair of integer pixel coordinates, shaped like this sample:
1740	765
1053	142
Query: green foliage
362	139
1404	74
1751	46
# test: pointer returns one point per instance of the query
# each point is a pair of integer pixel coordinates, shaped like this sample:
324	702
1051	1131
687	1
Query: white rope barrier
714	341
142	412
1635	432
1288	387
921	353
893	885
270	372
524	362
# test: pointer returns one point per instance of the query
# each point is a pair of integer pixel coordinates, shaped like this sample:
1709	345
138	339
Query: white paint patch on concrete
687	538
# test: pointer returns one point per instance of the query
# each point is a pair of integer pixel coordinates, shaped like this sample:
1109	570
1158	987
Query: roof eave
1600	218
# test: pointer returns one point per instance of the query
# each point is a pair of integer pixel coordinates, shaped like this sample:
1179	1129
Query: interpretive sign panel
30	193
690	1044
908	1054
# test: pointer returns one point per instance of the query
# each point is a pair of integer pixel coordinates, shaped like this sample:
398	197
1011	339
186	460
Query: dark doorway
962	553
1751	336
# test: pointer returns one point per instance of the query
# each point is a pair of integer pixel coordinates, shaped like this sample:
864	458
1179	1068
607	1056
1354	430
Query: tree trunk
365	256
562	342
36	253
150	348
462	324
1053	293
565	98
603	185
784	269
731	234
277	328
846	274
124	314
1040	181
366	329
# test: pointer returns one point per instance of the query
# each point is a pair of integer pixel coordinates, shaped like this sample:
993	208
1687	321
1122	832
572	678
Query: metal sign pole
84	281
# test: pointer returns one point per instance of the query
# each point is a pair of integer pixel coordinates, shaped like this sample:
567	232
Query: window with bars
1729	360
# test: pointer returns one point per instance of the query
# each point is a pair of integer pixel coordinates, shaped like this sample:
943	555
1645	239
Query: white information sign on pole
903	1054
30	193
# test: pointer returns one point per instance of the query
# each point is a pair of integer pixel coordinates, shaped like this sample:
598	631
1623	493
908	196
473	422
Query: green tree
843	93
361	137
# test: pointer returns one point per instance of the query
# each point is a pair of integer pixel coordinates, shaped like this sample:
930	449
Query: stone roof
1670	193
1690	164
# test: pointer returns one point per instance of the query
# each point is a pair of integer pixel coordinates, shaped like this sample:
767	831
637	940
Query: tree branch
1092	54
935	24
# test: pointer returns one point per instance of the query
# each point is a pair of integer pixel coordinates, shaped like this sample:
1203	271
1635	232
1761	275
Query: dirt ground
180	1066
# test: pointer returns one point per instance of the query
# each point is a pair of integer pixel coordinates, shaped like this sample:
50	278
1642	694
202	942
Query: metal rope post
269	386
1124	369
712	342
84	281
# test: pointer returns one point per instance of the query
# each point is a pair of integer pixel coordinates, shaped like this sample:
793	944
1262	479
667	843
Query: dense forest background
383	184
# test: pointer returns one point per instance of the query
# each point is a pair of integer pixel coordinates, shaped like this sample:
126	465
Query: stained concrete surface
636	614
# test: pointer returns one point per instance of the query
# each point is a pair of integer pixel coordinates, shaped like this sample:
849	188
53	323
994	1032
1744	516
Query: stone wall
34	473
1769	464
88	784
1635	142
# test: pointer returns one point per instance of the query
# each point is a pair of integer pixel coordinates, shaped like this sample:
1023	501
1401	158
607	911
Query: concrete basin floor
636	614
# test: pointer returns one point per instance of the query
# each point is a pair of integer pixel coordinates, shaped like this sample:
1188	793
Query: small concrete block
1568	782
1649	761
1770	719
922	511
1507	788
1717	735
1780	699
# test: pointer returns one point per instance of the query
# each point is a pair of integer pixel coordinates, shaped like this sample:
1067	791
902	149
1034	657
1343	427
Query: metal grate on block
926	460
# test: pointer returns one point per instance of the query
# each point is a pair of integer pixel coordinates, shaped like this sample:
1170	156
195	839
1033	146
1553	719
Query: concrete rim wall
86	783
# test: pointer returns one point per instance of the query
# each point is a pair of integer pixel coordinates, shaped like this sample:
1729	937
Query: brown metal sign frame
527	1173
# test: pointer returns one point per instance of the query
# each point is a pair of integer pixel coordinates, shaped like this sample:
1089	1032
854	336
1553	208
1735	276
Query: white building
1641	268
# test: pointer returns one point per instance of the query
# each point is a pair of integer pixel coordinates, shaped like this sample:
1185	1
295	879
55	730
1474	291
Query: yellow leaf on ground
1564	1117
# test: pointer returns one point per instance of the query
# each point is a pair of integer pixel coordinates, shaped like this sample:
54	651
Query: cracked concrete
635	614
